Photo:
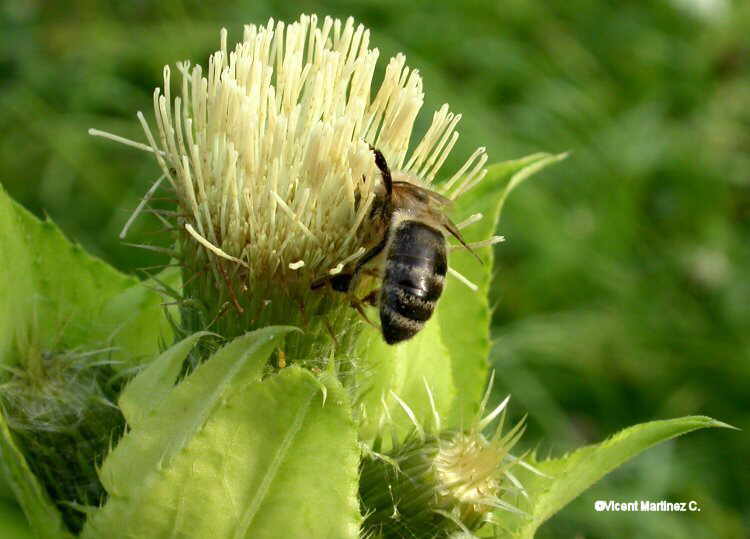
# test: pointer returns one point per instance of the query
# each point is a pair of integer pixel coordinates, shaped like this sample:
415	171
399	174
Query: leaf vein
273	469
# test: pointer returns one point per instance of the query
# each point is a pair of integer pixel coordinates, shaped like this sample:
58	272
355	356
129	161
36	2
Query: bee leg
318	283
371	298
341	282
369	255
357	304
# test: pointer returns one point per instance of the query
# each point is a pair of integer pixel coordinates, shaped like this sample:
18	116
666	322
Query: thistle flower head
269	153
468	467
438	482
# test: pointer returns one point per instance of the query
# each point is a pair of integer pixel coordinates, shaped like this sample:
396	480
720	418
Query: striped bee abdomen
415	269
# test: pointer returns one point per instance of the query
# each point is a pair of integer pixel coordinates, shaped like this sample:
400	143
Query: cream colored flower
268	149
453	480
269	153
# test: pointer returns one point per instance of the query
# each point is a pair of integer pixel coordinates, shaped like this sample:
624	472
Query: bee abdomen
406	303
415	269
397	327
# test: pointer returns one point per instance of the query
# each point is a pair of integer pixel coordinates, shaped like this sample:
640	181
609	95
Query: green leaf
44	518
54	291
571	474
145	392
403	370
13	524
165	431
58	297
136	324
451	352
265	459
464	315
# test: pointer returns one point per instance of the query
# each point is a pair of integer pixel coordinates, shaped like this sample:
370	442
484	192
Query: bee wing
435	200
436	206
439	199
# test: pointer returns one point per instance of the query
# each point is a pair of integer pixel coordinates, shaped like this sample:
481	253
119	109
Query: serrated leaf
275	459
52	289
571	474
55	296
403	370
166	431
52	295
464	315
136	321
146	392
44	518
451	351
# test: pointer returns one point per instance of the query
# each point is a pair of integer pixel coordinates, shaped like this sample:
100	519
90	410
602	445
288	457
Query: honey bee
412	222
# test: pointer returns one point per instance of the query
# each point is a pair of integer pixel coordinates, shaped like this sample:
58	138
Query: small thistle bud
60	409
440	483
269	152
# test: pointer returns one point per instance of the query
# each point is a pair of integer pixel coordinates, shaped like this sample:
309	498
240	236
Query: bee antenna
382	165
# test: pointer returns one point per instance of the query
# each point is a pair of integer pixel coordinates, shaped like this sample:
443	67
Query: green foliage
159	434
62	415
145	393
57	300
450	353
137	315
403	371
12	522
226	454
626	266
565	478
58	297
460	307
43	517
55	291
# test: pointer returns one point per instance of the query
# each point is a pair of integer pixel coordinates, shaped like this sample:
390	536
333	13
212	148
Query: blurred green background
622	292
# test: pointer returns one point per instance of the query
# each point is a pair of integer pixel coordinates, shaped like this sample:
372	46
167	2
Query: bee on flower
272	154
